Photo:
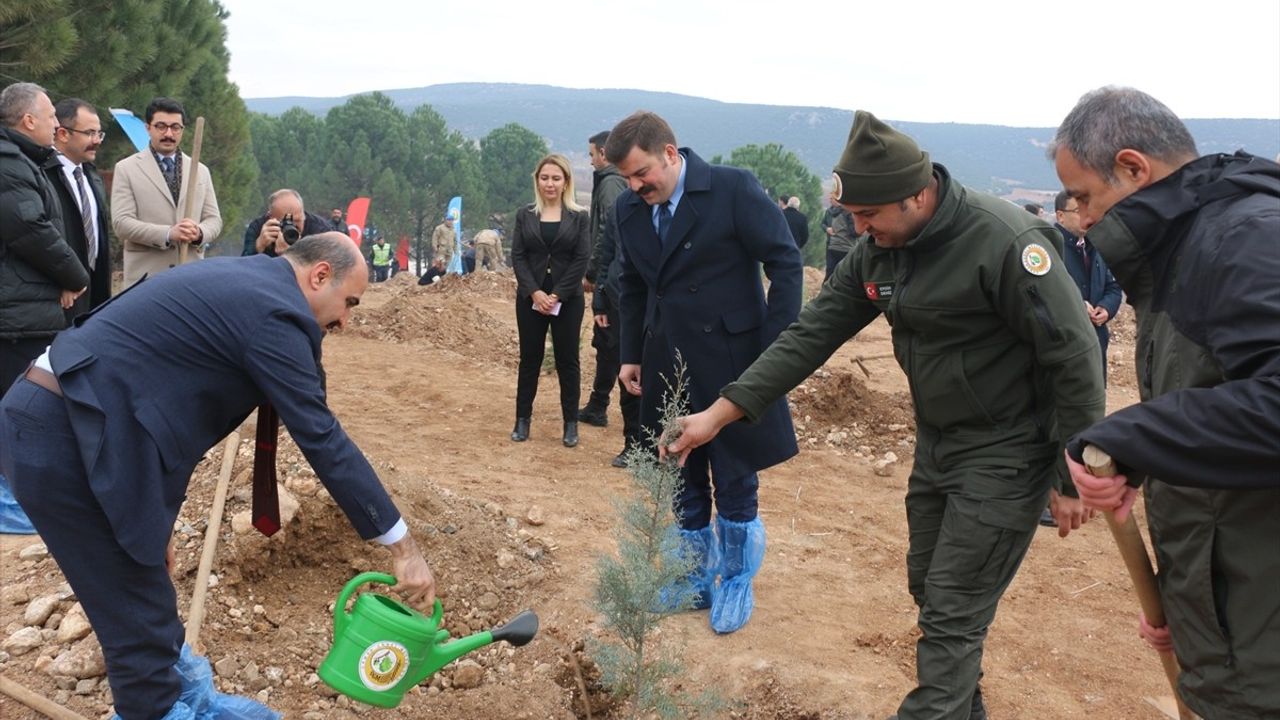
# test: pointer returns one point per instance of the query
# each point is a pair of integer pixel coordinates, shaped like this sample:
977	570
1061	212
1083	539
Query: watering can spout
519	631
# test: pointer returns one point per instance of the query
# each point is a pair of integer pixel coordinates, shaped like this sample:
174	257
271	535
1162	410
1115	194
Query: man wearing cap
443	239
1001	362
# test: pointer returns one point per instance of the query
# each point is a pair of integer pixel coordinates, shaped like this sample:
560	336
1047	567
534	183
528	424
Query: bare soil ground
424	381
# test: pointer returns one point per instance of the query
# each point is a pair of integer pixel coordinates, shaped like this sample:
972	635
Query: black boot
571	433
621	460
521	431
977	709
593	416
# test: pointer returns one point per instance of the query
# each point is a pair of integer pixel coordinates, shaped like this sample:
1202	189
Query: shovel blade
1168	707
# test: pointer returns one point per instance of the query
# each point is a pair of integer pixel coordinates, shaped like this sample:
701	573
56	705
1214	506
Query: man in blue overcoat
692	238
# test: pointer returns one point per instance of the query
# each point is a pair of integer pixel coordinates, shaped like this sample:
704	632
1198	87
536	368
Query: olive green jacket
987	325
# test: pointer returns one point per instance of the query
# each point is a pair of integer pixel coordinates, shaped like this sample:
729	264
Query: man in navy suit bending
692	239
100	436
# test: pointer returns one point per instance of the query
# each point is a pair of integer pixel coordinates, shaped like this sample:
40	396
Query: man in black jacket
602	278
1195	243
82	197
267	236
40	275
797	221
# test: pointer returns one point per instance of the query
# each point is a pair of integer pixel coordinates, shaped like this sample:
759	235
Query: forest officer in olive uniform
1000	359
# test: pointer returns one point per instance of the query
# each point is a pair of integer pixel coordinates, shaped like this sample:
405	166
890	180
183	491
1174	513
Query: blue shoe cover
705	552
199	701
13	521
742	552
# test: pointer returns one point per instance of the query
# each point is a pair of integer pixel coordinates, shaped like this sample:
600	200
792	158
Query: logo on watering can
383	664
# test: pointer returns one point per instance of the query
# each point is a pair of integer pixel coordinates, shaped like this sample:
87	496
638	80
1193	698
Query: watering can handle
340	614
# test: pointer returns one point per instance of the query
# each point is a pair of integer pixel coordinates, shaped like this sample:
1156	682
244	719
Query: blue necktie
664	221
167	163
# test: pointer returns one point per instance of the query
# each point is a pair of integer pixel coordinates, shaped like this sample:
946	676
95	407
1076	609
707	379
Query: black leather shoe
1046	519
571	433
521	431
591	416
621	460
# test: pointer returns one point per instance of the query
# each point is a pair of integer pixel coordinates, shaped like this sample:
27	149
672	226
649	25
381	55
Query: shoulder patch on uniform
1035	259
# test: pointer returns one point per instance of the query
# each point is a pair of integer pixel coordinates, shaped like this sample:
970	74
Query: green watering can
383	647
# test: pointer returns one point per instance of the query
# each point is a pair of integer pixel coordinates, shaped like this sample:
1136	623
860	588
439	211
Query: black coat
36	263
798	224
566	257
312	225
702	297
100	274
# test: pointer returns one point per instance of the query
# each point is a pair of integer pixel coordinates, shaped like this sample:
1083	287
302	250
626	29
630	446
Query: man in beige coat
442	239
488	249
148	198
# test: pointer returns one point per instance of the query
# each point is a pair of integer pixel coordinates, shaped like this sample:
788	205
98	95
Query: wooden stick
1138	563
39	703
192	180
195	616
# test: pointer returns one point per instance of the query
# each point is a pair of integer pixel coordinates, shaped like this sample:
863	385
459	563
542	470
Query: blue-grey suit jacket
157	375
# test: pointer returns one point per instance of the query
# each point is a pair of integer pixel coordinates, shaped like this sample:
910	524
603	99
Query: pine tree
644	583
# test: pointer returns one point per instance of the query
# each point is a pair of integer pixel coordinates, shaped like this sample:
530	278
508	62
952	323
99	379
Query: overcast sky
983	61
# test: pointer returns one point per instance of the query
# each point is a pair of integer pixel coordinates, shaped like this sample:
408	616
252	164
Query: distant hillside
987	157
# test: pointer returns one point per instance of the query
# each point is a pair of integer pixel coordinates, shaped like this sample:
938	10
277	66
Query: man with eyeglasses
1098	287
82	197
149	196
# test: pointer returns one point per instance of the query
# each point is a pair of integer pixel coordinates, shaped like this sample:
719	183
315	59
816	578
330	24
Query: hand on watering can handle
414	580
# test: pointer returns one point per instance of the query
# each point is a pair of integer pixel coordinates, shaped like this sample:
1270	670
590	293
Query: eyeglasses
1074	210
165	127
95	134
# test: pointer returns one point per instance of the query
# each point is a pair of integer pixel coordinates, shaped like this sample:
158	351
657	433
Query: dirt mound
469	314
838	409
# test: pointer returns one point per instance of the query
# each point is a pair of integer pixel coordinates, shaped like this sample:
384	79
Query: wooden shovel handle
195	615
1134	552
39	703
192	180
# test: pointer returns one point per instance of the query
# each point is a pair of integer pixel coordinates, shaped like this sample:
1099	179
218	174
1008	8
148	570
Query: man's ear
320	272
1133	166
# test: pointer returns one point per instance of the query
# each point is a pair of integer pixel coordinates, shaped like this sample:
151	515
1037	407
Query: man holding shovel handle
1195	244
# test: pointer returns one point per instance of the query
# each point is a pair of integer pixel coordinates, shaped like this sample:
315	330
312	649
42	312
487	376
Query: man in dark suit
1101	292
691	240
100	453
82	196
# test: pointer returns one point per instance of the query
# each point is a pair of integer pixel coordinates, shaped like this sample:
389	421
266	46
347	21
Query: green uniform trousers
969	529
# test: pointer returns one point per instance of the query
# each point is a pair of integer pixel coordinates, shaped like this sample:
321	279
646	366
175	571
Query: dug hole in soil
424	381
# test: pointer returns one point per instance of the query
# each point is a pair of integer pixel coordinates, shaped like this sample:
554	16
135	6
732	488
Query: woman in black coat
549	252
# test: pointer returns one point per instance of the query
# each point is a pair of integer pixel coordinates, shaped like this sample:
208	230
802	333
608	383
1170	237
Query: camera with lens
289	230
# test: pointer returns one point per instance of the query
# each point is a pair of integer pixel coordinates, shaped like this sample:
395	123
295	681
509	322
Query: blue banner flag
133	127
455	212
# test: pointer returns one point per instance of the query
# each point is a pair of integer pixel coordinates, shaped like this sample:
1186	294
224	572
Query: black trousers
532	326
16	356
833	259
133	607
608	363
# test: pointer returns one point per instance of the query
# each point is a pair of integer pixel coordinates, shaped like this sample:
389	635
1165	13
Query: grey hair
17	100
794	202
332	247
1110	119
273	197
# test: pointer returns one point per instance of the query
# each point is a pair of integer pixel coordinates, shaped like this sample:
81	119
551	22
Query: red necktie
266	502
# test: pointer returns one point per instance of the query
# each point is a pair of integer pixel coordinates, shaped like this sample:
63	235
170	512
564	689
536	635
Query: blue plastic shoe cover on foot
13	520
704	551
199	701
742	552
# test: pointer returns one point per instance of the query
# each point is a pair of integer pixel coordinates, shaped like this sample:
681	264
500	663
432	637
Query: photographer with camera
283	224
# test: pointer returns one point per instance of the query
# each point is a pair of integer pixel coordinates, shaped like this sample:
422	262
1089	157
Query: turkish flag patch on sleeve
878	291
